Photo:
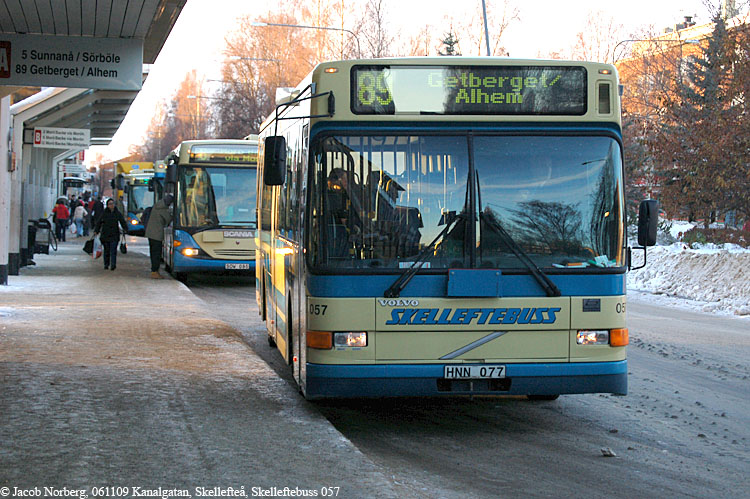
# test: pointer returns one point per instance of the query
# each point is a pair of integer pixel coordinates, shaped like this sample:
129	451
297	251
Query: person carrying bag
107	226
123	245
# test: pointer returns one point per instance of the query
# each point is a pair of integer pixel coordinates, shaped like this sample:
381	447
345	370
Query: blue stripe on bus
363	286
186	264
420	380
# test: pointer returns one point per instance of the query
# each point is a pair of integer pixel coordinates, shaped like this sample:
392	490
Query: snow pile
710	278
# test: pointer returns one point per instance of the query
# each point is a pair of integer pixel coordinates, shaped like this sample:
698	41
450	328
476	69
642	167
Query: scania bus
447	226
213	228
139	184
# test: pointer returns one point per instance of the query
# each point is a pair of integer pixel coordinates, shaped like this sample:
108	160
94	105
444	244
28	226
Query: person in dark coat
159	218
110	233
96	211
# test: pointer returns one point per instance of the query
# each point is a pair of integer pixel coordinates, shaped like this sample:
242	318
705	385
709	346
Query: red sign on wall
4	59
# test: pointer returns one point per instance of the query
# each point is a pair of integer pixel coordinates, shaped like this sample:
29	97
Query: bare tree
258	61
422	43
374	25
499	17
598	38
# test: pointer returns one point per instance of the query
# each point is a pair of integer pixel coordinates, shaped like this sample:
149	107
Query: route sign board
71	62
62	138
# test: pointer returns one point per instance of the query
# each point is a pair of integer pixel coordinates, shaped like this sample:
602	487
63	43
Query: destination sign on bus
238	154
512	90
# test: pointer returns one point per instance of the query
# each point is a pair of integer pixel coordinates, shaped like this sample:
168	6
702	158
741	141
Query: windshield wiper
395	289
544	281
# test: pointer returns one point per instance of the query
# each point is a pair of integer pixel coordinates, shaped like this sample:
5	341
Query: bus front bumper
186	264
416	380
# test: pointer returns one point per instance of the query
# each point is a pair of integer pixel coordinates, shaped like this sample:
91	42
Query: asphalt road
682	431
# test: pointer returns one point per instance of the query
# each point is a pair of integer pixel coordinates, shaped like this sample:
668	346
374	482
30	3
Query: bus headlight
190	251
593	337
350	339
134	221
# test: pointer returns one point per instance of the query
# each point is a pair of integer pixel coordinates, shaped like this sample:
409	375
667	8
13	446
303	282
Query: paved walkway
110	378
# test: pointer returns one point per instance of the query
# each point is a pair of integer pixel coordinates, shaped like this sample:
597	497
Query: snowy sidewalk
110	378
710	279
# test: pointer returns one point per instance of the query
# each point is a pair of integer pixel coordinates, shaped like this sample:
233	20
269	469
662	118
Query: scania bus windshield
378	201
139	198
217	196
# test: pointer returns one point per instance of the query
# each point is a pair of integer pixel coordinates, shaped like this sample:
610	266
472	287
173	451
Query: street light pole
486	29
262	24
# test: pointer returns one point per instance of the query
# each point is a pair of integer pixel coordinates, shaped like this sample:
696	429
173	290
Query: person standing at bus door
110	233
79	216
61	219
121	205
159	218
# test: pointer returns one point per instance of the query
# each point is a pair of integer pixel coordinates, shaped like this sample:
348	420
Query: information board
71	62
62	138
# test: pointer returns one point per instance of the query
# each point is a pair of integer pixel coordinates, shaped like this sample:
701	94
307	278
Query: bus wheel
181	276
271	341
543	397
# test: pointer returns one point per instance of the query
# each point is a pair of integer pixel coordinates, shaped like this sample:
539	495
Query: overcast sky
545	25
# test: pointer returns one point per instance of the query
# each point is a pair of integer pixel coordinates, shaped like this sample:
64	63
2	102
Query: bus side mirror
118	182
274	160
151	185
648	219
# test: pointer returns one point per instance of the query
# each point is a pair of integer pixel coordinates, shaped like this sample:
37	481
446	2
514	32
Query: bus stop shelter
89	59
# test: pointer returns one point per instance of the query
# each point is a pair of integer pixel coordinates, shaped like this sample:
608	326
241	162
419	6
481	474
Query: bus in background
141	190
72	186
447	226
134	185
214	217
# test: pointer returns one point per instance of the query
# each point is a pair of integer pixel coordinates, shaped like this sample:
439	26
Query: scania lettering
447	226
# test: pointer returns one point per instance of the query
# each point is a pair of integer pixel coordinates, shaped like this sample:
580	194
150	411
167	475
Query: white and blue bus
213	227
447	226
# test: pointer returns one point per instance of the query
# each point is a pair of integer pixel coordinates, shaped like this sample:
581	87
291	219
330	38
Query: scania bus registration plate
474	372
236	266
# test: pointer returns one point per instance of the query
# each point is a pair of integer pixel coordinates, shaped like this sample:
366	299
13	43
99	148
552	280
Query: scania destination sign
71	62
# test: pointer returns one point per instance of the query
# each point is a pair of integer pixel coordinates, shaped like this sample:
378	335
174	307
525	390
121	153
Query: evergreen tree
694	143
450	44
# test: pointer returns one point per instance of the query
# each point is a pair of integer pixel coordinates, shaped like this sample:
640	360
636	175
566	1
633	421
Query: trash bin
32	238
43	229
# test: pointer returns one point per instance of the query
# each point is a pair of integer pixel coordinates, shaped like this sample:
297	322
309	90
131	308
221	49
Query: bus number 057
318	309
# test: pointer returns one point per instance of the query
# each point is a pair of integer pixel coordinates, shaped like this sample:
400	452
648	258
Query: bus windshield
217	196
139	198
378	201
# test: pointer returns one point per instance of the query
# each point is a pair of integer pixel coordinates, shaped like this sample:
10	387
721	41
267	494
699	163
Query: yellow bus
447	226
213	227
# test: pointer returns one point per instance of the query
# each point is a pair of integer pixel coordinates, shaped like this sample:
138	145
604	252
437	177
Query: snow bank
711	278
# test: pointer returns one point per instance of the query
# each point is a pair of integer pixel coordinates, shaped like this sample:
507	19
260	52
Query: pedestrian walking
106	225
61	219
79	216
96	211
159	218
